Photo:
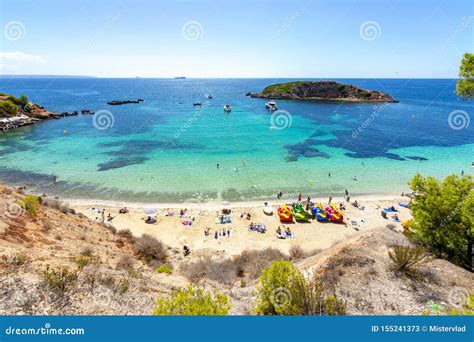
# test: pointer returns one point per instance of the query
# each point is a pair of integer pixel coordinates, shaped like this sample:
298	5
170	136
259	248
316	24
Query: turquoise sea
167	150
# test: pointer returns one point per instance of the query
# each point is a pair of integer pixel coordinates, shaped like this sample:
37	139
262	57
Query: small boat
271	105
196	103
227	108
209	97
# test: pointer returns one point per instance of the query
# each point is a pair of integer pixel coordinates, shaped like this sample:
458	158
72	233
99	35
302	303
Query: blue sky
217	38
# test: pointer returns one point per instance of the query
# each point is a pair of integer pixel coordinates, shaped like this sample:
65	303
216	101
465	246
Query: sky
238	39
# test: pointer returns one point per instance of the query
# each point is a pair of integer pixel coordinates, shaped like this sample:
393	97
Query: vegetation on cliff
11	105
322	91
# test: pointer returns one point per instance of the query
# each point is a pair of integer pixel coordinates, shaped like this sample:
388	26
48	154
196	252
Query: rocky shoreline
321	91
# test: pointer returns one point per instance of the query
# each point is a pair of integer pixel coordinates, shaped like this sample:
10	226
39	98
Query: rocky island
321	91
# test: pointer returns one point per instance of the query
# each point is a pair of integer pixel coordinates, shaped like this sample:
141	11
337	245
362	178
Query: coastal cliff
16	112
322	91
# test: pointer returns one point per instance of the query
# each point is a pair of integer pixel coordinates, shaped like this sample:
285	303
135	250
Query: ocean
165	150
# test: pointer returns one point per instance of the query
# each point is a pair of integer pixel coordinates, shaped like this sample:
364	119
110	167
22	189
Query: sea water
167	150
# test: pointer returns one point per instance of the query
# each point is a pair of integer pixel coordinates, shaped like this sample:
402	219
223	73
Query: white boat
227	108
271	105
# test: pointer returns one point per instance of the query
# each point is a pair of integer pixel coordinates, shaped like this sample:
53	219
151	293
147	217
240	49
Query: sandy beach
309	236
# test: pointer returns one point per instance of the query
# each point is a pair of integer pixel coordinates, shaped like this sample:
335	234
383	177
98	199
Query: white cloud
20	57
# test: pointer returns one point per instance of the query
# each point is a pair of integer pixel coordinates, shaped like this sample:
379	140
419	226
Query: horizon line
221	77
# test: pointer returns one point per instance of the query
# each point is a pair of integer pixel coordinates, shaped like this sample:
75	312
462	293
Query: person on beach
103	215
278	195
330	200
186	250
279	233
299	198
109	217
288	232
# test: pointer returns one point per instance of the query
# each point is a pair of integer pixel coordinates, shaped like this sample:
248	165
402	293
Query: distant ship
180	78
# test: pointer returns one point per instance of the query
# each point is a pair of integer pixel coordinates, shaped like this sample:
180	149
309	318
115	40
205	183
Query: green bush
84	260
59	279
334	305
193	302
276	290
164	269
19	259
442	217
283	290
8	108
30	203
407	259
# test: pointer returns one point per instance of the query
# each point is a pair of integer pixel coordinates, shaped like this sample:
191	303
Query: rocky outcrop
117	102
322	91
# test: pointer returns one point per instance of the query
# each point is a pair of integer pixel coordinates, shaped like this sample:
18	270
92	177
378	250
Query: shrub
249	262
30	203
309	296
125	263
82	261
406	259
150	248
193	302
442	217
334	305
59	279
252	262
283	290
125	233
164	269
8	108
19	259
87	251
297	253
276	289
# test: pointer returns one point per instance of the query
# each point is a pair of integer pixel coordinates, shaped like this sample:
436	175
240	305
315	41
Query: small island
322	91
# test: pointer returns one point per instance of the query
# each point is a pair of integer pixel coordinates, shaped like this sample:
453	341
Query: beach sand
309	236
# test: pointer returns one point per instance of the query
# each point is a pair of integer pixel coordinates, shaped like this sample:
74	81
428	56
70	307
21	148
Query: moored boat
271	105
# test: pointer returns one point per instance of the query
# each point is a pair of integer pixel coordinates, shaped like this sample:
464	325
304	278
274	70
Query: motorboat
271	105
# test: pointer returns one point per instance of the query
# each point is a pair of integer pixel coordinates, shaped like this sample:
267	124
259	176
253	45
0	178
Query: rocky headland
321	91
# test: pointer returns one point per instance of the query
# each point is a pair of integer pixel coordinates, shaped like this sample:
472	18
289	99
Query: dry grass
297	253
249	263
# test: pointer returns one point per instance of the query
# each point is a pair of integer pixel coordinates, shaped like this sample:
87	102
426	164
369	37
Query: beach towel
390	210
187	223
261	228
404	205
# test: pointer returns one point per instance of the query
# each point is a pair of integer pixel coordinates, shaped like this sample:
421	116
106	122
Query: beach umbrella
150	211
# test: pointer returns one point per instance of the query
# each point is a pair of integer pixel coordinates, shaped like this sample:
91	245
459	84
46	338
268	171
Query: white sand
313	235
